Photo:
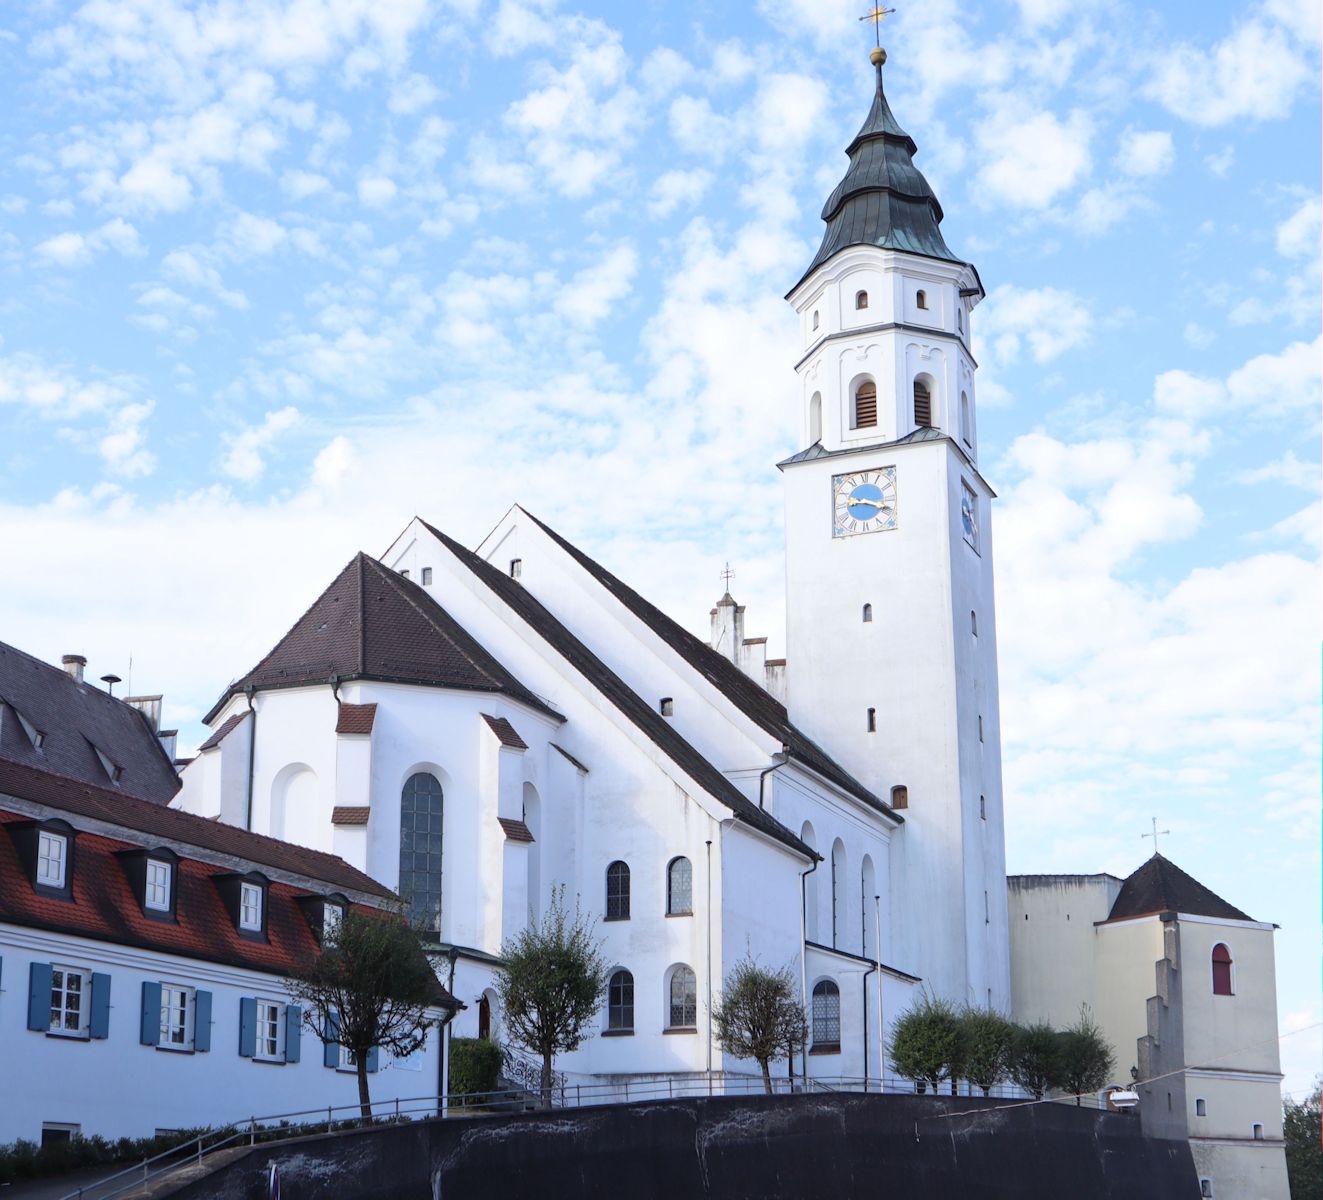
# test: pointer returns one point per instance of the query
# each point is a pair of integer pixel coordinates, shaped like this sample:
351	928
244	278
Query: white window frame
156	891
332	915
177	999
250	901
270	1031
60	977
347	1062
52	859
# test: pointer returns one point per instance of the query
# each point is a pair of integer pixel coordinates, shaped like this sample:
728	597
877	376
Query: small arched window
865	405
815	318
679	888
617	892
620	1002
900	796
872	720
815	418
868	613
983	807
683	1006
923	405
973	622
666	706
861	299
921	299
960	320
421	819
966	434
826	1013
1221	970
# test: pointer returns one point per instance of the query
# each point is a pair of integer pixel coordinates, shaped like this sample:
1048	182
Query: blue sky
278	276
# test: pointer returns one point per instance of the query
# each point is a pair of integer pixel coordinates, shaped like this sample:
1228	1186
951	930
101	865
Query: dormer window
52	859
156	890
324	914
250	907
112	771
152	875
861	300
332	915
34	735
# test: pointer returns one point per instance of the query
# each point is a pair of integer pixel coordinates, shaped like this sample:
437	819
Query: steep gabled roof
615	690
1161	886
753	700
372	623
75	720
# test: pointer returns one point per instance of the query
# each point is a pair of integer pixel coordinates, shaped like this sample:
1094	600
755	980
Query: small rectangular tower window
427	577
516	568
980	727
872	720
1201	1107
983	807
1205	1187
1258	1132
667	706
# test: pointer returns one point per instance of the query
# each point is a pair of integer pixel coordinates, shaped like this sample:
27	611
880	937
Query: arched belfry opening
923	401
864	405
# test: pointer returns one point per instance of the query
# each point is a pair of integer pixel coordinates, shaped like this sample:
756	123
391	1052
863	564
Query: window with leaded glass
421	813
826	1013
617	892
679	888
620	1002
684	999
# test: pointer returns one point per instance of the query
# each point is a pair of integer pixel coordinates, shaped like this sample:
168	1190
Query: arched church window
965	430
810	886
617	892
1221	970
861	299
826	1014
421	818
867	908
683	995
923	405
921	299
868	613
865	405
837	893
620	1002
679	888
815	418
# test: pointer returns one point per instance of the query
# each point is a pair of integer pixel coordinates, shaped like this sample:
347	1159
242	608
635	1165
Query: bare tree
758	1016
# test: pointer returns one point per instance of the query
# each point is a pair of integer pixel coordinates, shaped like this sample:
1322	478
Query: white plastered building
476	729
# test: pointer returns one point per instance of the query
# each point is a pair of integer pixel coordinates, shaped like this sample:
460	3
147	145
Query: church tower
891	633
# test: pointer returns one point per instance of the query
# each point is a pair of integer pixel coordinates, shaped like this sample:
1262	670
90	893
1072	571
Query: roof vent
74	664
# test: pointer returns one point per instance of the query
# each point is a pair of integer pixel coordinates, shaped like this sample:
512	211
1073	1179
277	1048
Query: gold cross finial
877	15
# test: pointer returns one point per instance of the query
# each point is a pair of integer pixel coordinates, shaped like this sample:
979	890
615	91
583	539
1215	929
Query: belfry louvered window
865	405
923	405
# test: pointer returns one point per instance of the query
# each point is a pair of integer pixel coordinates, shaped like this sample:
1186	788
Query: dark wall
801	1147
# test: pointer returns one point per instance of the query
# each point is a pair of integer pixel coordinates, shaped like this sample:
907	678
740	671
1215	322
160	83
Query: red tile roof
516	831
74	798
505	732
350	814
227	727
355	718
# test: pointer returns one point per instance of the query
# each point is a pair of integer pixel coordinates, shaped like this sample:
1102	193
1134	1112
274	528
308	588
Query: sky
274	277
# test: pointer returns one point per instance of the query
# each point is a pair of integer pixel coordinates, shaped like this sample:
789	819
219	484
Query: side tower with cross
891	631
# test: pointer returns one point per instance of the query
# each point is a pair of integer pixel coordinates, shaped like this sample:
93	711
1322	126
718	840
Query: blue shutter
201	1021
293	1032
100	1005
150	1032
39	996
373	1055
247	1027
331	1050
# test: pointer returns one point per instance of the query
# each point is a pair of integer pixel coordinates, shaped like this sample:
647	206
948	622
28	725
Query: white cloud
253	236
299	185
74	249
1029	157
590	295
1044	322
1299	235
1220	164
243	458
1267	386
186	266
333	462
411	94
376	190
123	445
676	188
1287	470
1145	152
1197	336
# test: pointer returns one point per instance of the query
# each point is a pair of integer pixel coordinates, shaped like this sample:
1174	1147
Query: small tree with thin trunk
1085	1059
1302	1127
758	1016
368	989
1035	1058
550	984
927	1043
987	1045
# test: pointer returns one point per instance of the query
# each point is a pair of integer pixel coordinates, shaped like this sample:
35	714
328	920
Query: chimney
150	707
74	664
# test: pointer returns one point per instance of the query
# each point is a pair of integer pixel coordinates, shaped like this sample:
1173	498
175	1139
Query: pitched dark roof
75	721
924	433
515	831
1161	886
78	799
355	718
619	693
883	200
758	704
226	727
372	623
350	814
505	732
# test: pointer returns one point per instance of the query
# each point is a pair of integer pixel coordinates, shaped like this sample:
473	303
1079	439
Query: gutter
252	752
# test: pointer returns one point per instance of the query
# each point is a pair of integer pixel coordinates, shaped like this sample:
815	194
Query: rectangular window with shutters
269	1030
177	1017
69	1001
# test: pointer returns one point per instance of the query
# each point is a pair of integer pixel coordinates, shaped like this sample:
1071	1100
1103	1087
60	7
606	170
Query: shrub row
475	1064
27	1160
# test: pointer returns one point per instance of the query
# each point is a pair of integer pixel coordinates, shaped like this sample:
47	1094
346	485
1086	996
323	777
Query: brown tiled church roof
1161	886
372	623
355	718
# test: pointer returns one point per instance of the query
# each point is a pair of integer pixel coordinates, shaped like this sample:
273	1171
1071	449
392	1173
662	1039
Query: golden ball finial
877	56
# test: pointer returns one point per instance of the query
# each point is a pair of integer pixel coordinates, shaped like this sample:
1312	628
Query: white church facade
478	728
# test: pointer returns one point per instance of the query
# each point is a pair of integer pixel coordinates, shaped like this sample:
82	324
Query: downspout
784	755
252	751
443	1083
709	966
803	954
866	974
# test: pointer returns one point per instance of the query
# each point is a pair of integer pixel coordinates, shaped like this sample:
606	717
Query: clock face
863	501
969	514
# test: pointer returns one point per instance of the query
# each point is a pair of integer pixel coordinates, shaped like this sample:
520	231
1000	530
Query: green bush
1084	1057
26	1160
988	1037
475	1064
927	1043
1036	1058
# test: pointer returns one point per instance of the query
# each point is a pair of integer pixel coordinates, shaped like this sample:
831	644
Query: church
477	728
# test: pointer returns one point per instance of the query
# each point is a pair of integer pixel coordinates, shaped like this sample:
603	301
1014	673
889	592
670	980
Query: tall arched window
815	418
807	836
865	405
533	822
837	893
1221	970
620	1002
683	1006
923	404
421	813
868	908
861	299
679	888
966	433
617	892
826	1017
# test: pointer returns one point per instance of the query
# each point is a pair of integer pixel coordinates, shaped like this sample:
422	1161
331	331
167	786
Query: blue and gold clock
863	501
